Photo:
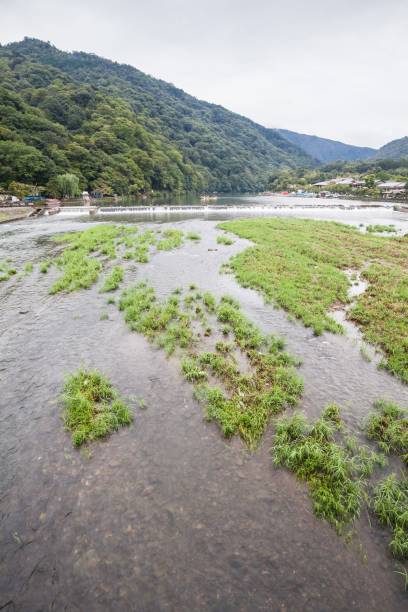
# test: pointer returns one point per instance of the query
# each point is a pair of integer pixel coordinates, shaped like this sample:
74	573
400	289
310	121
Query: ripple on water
166	514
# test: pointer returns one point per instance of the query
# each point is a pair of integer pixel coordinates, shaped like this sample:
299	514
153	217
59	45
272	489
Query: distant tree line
369	171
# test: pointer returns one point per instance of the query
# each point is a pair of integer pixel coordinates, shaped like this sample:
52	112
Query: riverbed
166	514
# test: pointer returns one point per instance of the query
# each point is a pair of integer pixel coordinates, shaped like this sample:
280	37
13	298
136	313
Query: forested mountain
122	131
396	149
326	150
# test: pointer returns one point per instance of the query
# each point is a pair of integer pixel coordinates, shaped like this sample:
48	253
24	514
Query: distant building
347	181
391	187
322	184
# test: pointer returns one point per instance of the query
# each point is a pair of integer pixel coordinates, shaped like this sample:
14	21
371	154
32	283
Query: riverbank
14	214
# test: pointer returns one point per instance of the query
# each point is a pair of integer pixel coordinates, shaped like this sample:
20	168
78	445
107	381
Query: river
166	514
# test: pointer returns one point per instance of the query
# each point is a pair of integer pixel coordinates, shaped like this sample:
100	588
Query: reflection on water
166	515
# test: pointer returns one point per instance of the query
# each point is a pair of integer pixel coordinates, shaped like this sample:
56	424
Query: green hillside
121	131
396	149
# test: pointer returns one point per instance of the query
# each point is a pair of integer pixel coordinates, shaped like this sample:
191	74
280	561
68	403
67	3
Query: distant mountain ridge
394	149
326	150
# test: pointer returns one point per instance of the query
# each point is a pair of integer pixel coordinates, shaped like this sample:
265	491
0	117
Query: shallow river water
166	514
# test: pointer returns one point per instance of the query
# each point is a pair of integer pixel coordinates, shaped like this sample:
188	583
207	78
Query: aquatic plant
85	254
312	453
300	265
114	279
172	238
79	271
391	507
248	399
193	236
93	408
209	301
6	270
224	240
45	265
380	228
28	267
389	427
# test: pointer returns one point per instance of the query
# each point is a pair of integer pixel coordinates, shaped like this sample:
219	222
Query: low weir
209	208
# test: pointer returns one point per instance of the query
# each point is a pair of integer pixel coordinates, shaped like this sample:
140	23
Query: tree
20	190
64	185
369	180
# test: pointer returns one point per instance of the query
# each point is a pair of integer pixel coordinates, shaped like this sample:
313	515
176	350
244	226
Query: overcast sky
335	68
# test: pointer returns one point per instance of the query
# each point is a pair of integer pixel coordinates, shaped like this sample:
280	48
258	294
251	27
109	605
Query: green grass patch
373	229
86	252
193	236
333	467
93	408
28	267
171	239
45	266
244	401
389	427
391	507
224	240
6	271
163	323
382	313
114	279
79	271
300	266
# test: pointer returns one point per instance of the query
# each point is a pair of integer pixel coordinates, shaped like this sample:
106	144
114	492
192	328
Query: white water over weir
210	208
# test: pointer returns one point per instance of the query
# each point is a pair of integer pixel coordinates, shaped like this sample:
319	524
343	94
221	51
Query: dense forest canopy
121	131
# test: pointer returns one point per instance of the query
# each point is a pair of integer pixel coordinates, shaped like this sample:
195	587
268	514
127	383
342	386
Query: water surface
166	514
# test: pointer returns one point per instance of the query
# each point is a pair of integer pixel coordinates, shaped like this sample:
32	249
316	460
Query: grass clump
193	236
389	427
209	301
78	261
114	279
93	408
382	313
45	265
245	400
391	507
224	240
28	267
311	452
246	333
300	265
164	323
79	271
6	271
192	371
171	239
372	229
